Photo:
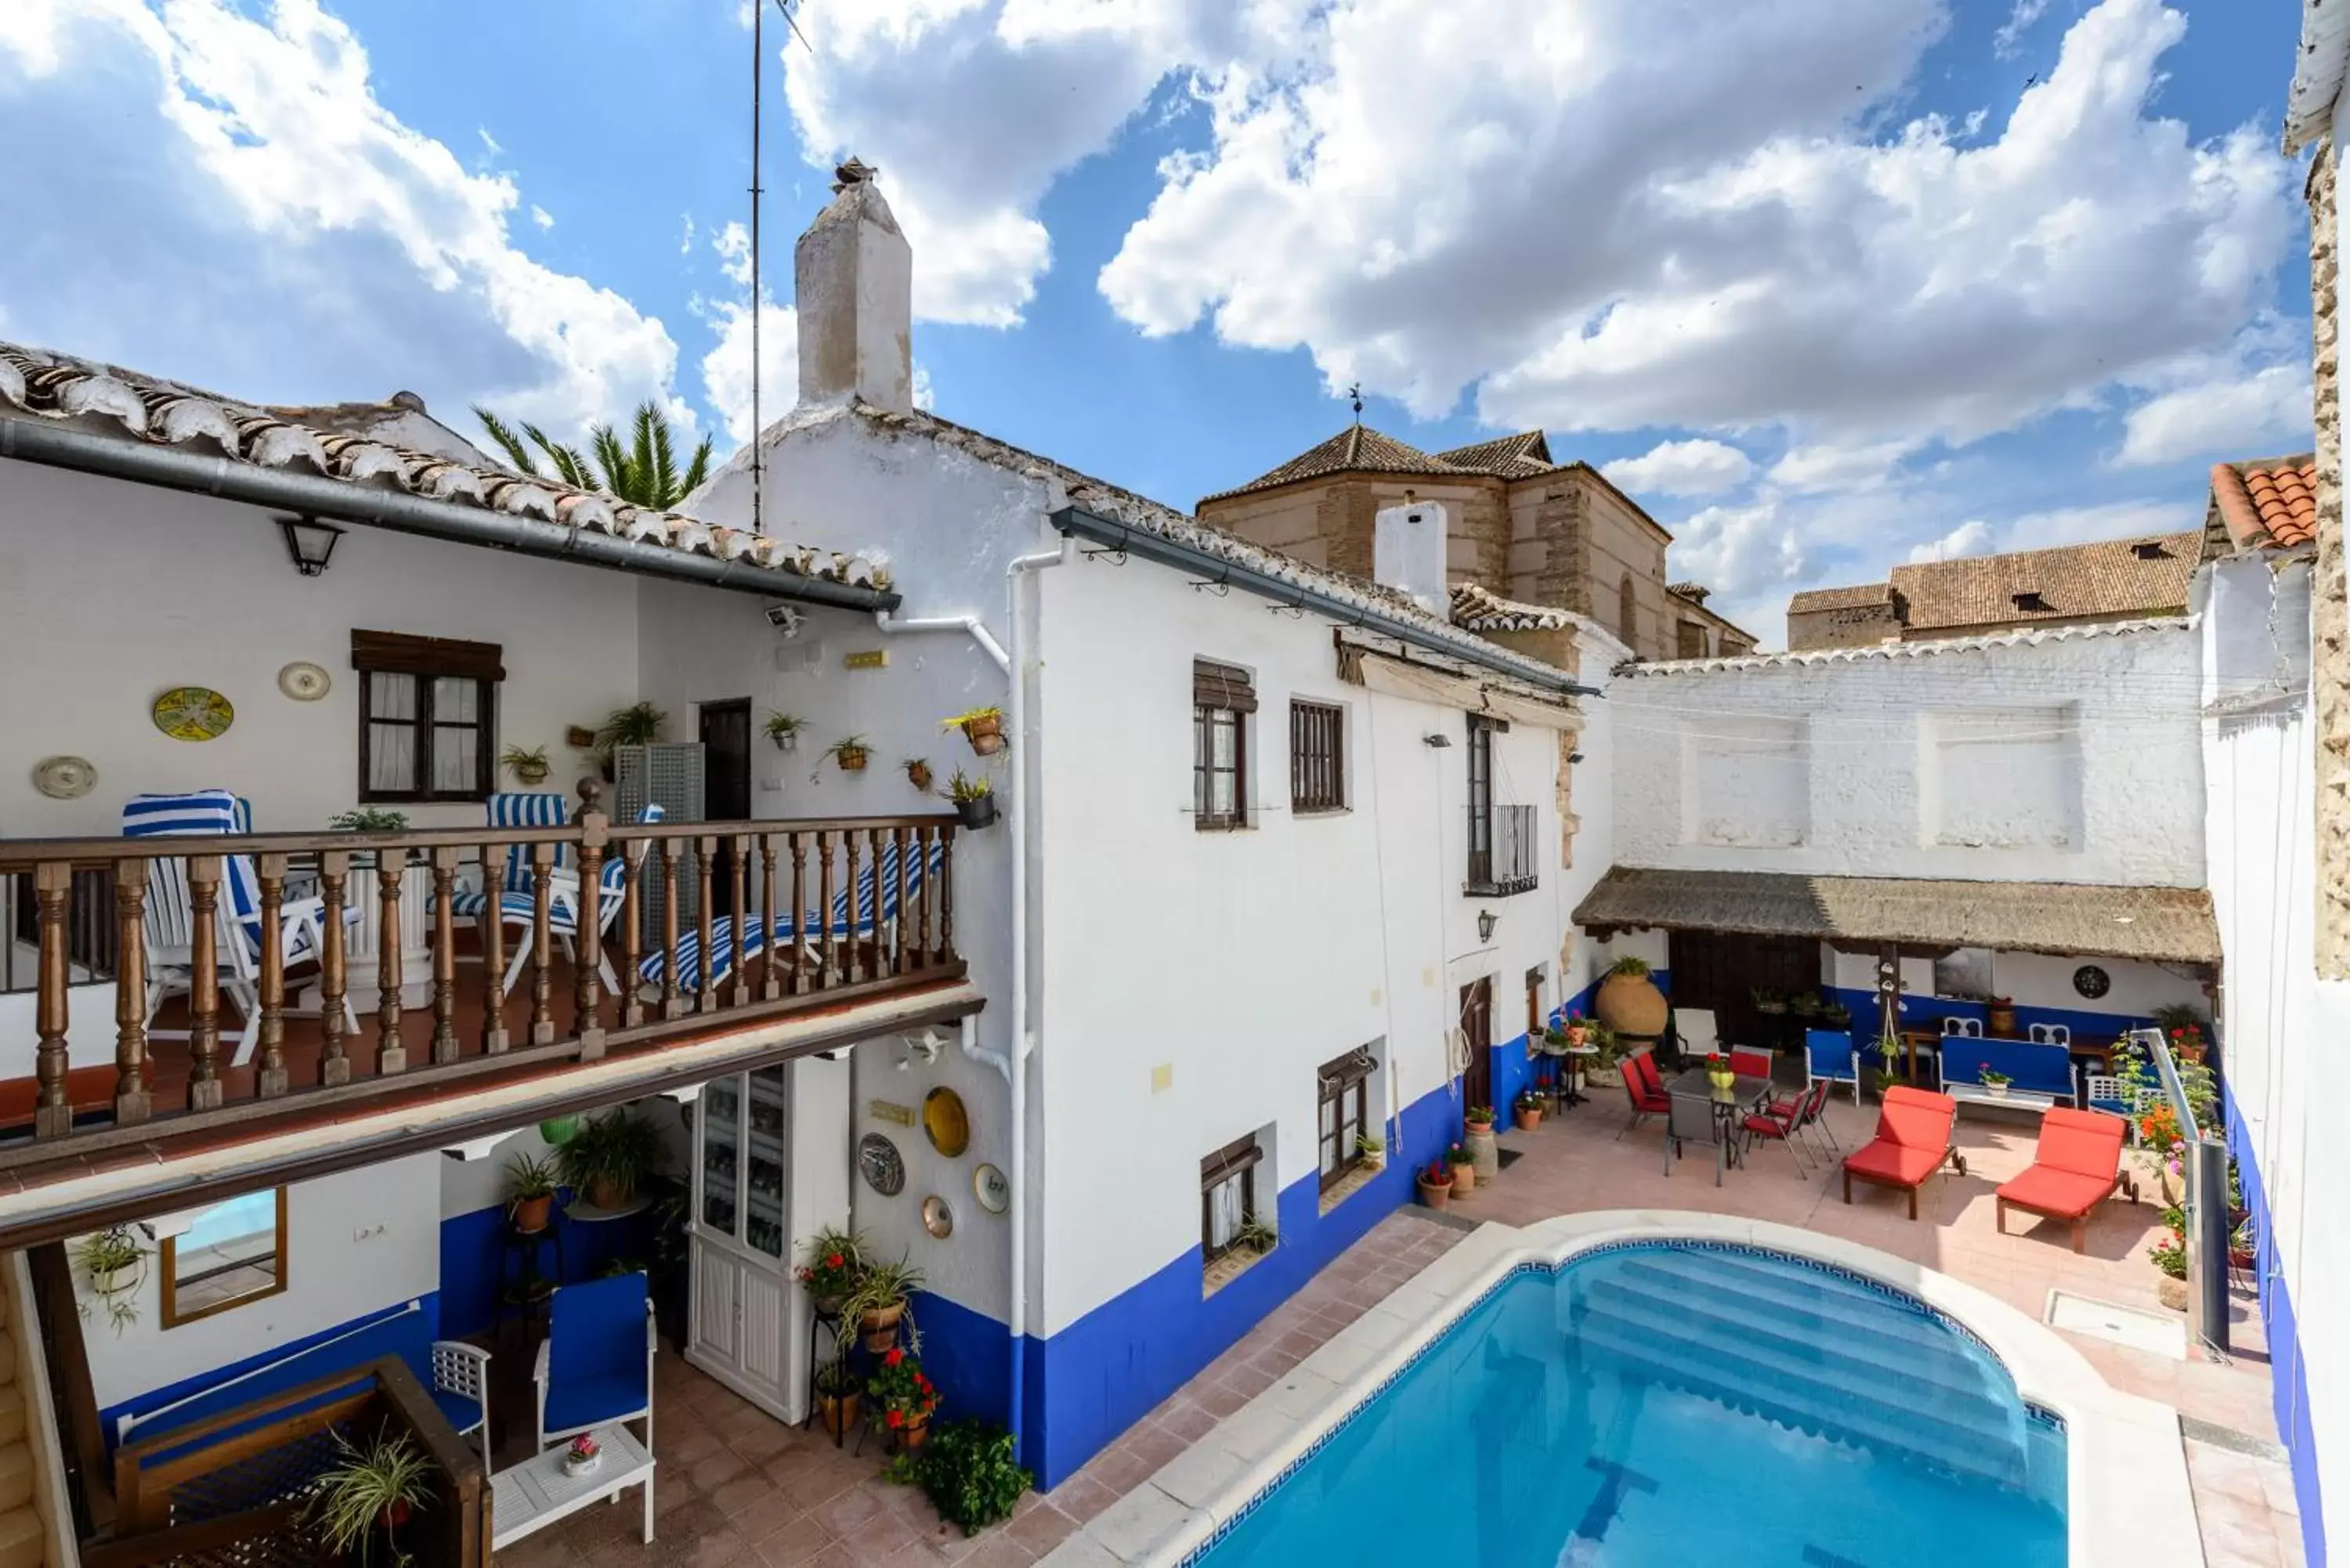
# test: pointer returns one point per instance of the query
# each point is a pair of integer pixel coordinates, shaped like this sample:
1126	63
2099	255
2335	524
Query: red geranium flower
895	1356
897	1419
832	1260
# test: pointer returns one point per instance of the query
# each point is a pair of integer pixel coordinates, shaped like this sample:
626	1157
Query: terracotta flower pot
1464	1180
881	1327
851	759
1527	1120
915	1432
838	1412
2002	1018
1435	1194
606	1193
985	735
531	1214
1631	1004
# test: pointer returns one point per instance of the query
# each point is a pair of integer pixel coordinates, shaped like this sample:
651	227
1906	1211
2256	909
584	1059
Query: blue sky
1827	287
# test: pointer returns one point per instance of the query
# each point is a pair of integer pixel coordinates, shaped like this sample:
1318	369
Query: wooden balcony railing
236	1487
329	1025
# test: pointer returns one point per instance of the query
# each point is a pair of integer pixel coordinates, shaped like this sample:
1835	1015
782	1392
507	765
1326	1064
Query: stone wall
2330	618
1855	628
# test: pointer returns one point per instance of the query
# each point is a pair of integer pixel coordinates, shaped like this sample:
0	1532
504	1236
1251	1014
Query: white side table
530	1496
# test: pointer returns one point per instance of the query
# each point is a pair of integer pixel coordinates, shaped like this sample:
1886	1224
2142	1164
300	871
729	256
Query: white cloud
241	211
2009	40
1682	468
2255	413
1829	466
542	217
1665	215
1972	537
726	369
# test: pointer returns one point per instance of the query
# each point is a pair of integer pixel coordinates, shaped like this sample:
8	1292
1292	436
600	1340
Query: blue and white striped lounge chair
517	905
170	912
511	809
876	884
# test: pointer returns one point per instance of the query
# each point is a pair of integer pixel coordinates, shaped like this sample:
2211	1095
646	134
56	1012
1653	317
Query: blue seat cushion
592	1400
464	1413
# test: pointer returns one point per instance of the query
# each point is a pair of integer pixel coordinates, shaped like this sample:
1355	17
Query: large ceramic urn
1631	1004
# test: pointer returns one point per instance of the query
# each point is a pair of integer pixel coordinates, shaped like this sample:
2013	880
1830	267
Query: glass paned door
721	1149
763	1193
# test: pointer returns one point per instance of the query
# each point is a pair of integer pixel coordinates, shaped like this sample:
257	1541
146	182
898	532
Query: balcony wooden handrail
669	890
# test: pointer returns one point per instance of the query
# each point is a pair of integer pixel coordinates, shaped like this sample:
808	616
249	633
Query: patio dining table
1702	1111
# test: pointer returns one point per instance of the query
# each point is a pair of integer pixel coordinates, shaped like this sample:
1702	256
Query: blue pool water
1662	1406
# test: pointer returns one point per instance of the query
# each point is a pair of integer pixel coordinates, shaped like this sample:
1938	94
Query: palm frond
569	465
621	475
663	466
697	471
508	441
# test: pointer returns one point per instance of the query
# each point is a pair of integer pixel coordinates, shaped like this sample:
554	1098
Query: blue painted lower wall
1927	1012
2288	1372
472	1256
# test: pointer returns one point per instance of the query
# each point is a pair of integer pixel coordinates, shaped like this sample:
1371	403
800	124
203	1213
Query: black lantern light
310	542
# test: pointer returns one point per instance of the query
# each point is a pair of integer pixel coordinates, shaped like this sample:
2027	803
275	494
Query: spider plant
375	1484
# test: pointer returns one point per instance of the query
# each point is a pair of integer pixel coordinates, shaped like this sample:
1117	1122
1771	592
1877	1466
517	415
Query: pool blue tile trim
2288	1370
1452	1325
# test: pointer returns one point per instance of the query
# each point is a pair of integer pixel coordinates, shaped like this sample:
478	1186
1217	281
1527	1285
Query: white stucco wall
114	593
354	1244
2068	759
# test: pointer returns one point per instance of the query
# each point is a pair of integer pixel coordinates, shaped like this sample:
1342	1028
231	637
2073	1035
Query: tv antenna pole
758	58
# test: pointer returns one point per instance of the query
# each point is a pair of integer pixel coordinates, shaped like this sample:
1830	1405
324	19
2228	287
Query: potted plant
637	724
1767	1001
830	1261
1718	1072
1577	1028
837	1395
1373	1150
2243	1248
880	1302
783	729
1835	1015
904	1397
1994	1081
2170	1257
115	1264
527	764
530	1192
1480	1118
1256	1235
1527	1110
609	1156
1464	1171
971	1476
918	774
983	727
1999	1016
1436	1185
1882	1079
1628	1001
358	1505
974	799
850	752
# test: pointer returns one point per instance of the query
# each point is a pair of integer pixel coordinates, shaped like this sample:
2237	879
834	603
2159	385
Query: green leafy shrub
967	1472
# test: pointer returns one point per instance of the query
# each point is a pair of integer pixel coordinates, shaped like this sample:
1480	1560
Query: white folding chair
461	1387
2050	1034
1698	1032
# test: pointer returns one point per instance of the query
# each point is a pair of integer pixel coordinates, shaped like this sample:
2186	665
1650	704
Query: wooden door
1721	972
1477	1023
726	781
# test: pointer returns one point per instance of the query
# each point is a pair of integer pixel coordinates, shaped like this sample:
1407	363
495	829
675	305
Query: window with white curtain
1227	1194
428	717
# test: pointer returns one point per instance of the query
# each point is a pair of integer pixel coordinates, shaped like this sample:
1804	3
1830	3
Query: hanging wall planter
851	752
983	727
528	764
783	729
974	799
918	774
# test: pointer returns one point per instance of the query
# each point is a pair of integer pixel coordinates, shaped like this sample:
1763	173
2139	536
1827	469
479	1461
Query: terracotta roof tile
1696	593
1853	598
1519	456
2144	575
1481	609
1357	449
2264	504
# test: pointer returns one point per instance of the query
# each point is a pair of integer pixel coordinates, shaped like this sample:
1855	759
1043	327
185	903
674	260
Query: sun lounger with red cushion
1913	1139
2076	1167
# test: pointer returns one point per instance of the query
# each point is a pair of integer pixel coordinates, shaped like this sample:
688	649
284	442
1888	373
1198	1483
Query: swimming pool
1668	1403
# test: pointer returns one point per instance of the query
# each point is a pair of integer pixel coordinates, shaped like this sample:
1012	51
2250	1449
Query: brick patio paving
738	1487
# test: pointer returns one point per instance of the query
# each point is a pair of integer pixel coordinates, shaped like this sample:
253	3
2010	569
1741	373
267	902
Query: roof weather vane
1354	396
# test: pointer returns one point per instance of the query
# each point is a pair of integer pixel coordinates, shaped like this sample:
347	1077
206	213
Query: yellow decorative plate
944	1120
194	713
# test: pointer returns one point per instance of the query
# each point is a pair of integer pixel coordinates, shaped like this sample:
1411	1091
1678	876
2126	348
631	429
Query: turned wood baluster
800	913
53	890
738	872
444	953
491	931
946	893
768	989
203	983
672	1003
856	916
542	944
706	998
269	871
391	1050
588	956
333	1062
132	1103
929	896
632	864
824	909
905	846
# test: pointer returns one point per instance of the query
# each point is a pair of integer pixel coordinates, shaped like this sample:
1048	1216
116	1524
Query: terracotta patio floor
736	1487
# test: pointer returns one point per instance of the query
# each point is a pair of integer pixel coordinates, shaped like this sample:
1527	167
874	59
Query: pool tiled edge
2128	1499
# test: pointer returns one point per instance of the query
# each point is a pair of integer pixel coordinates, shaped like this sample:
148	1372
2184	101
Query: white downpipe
1013	1061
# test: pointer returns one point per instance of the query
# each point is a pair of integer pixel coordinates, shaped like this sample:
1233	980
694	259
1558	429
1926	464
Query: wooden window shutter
1217	685
395	653
1228	1161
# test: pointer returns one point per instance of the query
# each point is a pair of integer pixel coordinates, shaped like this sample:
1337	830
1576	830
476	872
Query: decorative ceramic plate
2092	982
994	1192
194	713
305	682
883	1168
944	1119
64	778
937	1217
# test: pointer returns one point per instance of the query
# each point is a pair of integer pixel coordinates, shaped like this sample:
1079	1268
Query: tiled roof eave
1923	649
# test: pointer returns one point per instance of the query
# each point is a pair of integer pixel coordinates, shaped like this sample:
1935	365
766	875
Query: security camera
786	618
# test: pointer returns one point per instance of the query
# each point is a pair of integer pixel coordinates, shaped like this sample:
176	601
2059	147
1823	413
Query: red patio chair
1772	1122
1750	1063
1646	1101
2077	1166
1645	1061
1913	1140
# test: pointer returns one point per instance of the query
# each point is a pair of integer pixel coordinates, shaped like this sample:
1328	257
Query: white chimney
1408	553
852	281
